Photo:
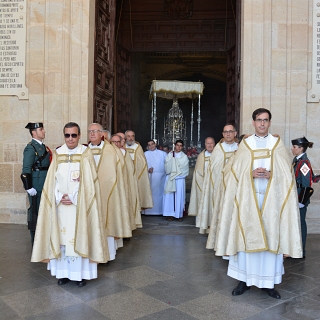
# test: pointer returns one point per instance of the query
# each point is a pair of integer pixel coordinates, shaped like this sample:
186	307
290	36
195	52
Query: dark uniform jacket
302	174
36	161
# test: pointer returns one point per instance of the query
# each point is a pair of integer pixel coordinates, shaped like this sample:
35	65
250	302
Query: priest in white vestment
157	175
210	201
114	208
260	219
198	176
177	169
131	183
70	233
140	169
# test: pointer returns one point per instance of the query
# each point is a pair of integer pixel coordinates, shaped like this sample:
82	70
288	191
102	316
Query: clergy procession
248	198
249	203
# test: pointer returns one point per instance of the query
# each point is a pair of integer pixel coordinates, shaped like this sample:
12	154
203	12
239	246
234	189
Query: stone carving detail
178	9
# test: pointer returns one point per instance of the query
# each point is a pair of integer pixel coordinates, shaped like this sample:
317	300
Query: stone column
276	46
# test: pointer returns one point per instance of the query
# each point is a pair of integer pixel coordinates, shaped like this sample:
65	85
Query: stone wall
276	46
276	39
59	75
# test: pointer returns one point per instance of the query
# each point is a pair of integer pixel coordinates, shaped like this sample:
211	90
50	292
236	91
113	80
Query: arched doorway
137	42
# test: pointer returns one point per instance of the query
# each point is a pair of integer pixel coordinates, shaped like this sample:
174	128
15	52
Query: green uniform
36	160
303	173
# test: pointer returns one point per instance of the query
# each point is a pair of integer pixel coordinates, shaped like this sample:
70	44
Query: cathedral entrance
207	67
182	40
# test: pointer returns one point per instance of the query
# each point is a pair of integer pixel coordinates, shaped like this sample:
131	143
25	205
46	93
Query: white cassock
70	265
177	168
112	245
229	147
156	160
261	269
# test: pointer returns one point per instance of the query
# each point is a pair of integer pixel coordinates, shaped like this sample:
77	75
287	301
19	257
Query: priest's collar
74	150
230	144
96	145
261	137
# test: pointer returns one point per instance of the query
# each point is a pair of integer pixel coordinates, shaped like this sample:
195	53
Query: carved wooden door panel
122	115
104	62
231	95
233	75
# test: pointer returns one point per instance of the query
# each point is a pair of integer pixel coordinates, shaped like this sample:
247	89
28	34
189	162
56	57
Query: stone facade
276	40
276	56
59	75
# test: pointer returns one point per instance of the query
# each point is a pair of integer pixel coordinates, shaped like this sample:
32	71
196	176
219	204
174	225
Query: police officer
36	161
304	175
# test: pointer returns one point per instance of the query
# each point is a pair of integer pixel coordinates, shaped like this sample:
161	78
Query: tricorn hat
35	125
302	142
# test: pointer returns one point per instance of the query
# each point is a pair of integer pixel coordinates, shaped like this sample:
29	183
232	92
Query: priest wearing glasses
259	219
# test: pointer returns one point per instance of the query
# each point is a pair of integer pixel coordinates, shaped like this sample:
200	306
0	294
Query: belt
41	169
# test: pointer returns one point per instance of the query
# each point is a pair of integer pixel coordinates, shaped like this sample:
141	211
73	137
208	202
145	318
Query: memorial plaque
314	92
13	26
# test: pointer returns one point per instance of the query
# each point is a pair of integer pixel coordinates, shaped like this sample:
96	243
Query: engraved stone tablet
314	92
13	48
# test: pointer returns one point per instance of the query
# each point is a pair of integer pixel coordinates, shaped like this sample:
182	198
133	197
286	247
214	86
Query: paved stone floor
164	272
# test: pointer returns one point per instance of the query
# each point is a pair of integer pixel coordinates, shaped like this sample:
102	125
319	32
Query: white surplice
261	269
174	200
156	160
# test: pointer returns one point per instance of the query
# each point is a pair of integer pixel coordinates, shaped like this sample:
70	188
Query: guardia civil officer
36	161
304	176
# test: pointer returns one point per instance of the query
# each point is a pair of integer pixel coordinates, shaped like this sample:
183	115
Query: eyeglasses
262	120
73	135
93	131
230	131
116	141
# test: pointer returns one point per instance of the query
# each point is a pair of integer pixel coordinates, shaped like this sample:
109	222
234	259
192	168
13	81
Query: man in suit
36	161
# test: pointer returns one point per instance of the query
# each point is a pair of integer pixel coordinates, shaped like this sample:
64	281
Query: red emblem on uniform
305	169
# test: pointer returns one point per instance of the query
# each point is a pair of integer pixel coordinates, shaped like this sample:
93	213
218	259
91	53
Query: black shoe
126	239
240	289
63	281
81	283
273	293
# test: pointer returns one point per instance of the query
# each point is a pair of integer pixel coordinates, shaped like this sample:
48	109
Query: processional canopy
174	90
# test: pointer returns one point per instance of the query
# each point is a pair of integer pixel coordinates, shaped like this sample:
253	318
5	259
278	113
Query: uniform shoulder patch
305	169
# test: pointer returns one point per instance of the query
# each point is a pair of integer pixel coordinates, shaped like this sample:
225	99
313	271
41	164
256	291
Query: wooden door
233	75
104	62
122	112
